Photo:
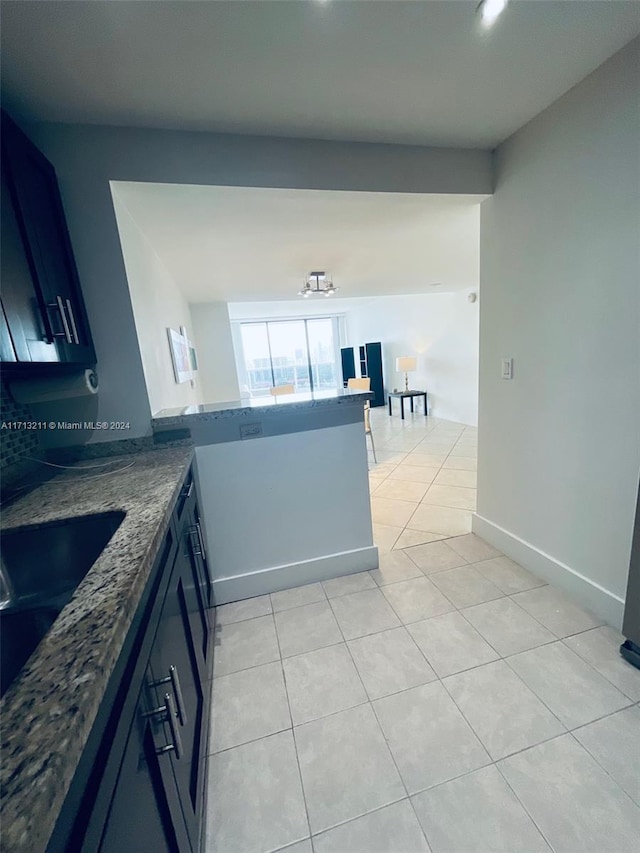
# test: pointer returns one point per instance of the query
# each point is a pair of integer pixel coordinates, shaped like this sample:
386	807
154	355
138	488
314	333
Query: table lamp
406	364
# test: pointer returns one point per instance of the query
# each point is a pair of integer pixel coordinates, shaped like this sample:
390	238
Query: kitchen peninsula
283	487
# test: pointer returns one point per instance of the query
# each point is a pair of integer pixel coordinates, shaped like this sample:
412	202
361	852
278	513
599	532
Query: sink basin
41	567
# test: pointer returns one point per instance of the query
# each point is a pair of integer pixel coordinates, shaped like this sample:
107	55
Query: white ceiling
408	72
247	244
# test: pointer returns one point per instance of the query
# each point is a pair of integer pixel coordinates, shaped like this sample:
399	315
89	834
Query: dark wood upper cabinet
41	296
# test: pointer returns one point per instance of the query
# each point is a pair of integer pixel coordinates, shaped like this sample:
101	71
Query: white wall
217	375
560	271
87	158
441	330
157	304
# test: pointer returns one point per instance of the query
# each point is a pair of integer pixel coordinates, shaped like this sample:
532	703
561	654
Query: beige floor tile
391	512
381	470
502	711
467	452
615	744
364	613
451	477
408	538
255	798
297	597
389	662
240	611
248	705
507	627
322	682
385	536
356	776
428	736
347	584
416	599
393	567
394	827
473	548
451	644
436	519
508	576
429	460
556	611
573	801
569	687
477	812
466	586
461	463
389	457
414	473
435	557
452	496
600	648
305	629
402	490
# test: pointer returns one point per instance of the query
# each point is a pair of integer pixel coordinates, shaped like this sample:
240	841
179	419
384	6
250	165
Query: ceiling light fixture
490	10
317	282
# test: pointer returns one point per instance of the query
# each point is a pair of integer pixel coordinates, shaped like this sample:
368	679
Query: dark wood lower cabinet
179	674
141	784
145	811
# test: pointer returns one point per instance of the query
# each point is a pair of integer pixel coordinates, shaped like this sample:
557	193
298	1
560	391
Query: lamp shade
406	363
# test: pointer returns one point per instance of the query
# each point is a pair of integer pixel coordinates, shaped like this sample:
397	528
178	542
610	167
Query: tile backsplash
16	444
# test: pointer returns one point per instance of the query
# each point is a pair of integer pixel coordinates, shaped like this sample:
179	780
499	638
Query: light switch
507	368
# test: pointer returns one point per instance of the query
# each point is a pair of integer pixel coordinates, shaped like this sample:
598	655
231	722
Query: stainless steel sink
41	567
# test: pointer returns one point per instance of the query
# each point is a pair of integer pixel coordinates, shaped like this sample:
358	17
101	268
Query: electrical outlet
507	368
250	430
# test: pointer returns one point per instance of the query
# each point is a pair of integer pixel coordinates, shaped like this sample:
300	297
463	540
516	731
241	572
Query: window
297	352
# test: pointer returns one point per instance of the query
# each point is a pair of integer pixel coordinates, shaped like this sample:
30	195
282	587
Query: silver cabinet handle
59	304
201	540
177	689
186	490
72	320
196	549
168	712
175	732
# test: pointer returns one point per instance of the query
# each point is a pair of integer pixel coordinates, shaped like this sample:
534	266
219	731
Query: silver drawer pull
175	732
72	321
196	547
59	304
168	712
177	689
201	540
186	490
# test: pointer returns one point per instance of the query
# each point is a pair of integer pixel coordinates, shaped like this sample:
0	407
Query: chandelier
317	282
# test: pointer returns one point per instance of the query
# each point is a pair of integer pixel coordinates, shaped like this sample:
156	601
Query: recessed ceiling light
490	10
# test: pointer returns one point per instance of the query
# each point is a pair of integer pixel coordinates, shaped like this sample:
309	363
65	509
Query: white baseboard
294	574
600	601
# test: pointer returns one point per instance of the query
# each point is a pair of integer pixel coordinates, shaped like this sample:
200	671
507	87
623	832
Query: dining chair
282	389
364	384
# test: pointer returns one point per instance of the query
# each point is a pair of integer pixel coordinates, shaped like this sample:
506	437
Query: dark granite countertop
182	417
48	712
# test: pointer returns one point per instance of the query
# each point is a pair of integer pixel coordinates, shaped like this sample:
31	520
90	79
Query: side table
402	396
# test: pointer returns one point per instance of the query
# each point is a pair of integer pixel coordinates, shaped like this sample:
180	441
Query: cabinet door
30	339
145	812
39	212
178	667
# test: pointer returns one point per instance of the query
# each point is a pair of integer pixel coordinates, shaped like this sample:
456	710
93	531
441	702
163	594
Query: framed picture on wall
180	355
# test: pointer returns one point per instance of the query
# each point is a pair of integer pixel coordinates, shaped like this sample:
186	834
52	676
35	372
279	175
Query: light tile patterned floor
449	701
